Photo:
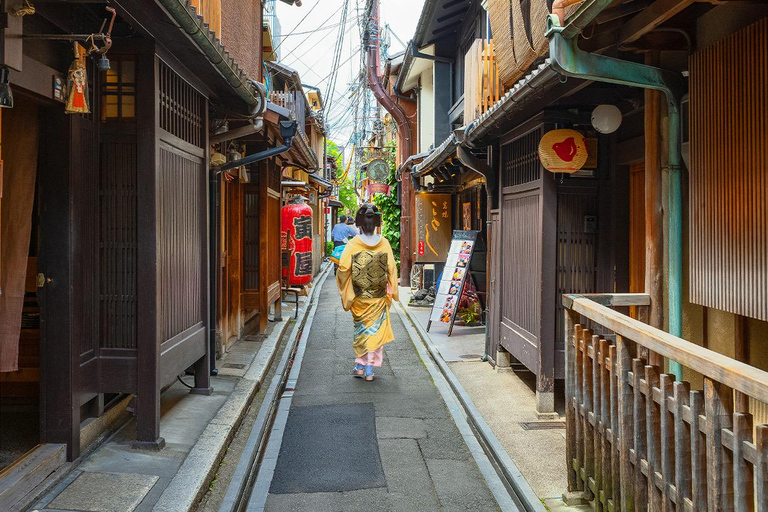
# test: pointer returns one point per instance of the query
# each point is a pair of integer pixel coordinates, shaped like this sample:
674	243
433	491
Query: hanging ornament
563	151
77	84
606	118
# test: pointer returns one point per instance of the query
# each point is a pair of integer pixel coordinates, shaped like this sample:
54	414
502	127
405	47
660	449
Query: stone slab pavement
426	463
115	477
506	400
464	344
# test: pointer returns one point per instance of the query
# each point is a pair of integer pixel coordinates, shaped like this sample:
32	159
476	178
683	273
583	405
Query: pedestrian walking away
342	232
367	281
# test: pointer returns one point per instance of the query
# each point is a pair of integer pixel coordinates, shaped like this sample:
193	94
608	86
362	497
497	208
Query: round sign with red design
563	151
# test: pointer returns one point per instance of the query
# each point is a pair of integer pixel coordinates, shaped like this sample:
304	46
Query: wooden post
148	340
667	441
588	403
654	220
683	434
597	470
741	353
653	436
718	403
625	431
570	421
698	454
743	474
640	441
579	395
761	468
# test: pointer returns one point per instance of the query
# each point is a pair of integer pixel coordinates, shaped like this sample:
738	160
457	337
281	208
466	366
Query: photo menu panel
452	281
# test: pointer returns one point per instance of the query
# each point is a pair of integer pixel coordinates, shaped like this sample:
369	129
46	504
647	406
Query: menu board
454	277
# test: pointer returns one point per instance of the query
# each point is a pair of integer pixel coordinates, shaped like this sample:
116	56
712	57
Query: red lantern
296	233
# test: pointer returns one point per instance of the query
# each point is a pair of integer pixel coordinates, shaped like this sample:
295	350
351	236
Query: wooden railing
638	440
482	87
296	103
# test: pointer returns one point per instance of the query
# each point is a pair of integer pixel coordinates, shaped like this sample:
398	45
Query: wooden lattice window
250	237
118	91
181	107
520	160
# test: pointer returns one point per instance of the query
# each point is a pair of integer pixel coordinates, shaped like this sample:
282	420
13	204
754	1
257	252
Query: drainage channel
516	493
250	483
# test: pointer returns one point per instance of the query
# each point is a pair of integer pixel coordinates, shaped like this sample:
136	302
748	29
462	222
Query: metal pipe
569	60
404	140
252	93
257	157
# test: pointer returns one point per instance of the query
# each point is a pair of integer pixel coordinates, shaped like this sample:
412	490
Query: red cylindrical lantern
296	232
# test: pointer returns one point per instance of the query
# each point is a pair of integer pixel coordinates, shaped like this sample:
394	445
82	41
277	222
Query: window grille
181	107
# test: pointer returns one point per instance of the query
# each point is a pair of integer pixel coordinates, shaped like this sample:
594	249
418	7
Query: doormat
543	425
329	448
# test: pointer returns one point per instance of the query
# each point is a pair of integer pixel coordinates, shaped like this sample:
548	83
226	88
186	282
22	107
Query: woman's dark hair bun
368	218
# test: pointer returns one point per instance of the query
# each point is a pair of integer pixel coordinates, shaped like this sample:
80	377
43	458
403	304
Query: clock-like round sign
378	170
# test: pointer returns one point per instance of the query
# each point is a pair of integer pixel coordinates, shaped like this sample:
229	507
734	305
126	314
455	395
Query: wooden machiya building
637	280
104	261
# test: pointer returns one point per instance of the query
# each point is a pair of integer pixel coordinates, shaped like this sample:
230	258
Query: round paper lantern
606	118
296	238
563	151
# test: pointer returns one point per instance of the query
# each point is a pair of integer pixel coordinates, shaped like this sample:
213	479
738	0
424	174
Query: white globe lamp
606	118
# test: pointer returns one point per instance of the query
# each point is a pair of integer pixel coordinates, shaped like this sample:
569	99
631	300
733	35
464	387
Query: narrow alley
348	444
396	255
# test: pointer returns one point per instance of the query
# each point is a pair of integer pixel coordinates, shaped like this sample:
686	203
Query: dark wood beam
622	10
651	17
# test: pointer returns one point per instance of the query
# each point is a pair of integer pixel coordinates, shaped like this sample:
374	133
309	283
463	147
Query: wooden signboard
433	227
454	279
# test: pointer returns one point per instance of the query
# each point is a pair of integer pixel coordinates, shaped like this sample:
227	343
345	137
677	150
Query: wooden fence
296	103
482	87
638	440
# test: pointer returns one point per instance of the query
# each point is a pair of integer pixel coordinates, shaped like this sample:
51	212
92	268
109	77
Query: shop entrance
19	305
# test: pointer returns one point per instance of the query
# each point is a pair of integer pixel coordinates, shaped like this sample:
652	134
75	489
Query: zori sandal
358	371
369	373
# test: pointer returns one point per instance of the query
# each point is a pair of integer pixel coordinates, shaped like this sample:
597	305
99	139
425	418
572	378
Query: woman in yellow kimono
367	280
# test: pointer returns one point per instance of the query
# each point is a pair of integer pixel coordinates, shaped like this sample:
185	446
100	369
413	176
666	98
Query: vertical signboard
455	274
433	227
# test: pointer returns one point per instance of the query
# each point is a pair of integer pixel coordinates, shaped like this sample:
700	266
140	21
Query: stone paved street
426	463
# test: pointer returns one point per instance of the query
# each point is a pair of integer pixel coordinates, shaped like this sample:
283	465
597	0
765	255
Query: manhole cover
543	425
234	366
470	356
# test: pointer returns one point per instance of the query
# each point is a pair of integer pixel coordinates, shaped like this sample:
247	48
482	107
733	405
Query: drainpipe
404	141
567	59
287	132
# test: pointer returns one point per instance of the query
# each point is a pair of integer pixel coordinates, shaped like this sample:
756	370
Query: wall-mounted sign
376	153
563	151
433	227
378	170
378	188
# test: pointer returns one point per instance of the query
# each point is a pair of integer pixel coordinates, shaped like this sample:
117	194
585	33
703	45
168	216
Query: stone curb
500	458
190	482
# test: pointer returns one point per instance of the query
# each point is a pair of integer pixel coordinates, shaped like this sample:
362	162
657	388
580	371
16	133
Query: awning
437	157
335	204
320	181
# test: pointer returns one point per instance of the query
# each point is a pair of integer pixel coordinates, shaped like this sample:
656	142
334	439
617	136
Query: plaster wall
241	26
426	112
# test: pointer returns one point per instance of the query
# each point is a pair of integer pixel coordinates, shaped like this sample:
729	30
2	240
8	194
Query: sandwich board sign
454	278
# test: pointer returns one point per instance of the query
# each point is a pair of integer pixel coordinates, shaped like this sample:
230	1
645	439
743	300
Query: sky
309	47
